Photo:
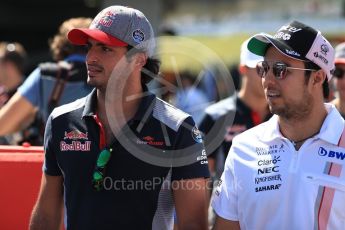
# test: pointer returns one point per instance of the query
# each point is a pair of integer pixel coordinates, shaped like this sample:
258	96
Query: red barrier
20	177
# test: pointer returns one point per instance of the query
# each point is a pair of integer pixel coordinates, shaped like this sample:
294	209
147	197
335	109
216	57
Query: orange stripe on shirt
327	198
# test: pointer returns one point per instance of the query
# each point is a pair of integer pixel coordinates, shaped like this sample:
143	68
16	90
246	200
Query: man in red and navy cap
121	158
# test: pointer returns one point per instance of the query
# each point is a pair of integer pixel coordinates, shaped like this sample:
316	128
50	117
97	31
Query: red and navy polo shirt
161	144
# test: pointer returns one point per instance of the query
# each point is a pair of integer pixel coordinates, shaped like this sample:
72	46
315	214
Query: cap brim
259	43
339	61
81	36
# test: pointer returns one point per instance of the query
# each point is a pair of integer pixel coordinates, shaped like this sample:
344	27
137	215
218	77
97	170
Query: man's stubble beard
295	111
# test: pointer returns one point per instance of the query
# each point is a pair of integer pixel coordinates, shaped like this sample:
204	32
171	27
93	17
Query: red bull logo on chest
79	141
75	146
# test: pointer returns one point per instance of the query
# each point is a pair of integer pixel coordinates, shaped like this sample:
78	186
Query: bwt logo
324	153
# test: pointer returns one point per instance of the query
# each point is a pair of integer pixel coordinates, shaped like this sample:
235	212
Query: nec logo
268	170
324	153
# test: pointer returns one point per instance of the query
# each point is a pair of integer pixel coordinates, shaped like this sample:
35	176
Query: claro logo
333	154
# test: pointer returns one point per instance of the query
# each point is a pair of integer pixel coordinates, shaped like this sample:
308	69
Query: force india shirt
267	184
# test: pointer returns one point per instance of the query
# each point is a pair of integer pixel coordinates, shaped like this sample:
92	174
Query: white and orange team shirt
267	184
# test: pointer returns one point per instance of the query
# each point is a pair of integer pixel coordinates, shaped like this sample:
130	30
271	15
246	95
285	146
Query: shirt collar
330	131
333	125
90	104
271	130
145	107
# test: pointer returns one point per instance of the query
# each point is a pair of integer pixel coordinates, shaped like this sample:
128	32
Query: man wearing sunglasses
121	158
288	173
339	78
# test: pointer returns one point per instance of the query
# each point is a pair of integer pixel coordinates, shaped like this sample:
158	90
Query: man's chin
276	110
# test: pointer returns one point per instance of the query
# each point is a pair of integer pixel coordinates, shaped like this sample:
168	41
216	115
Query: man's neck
116	111
299	130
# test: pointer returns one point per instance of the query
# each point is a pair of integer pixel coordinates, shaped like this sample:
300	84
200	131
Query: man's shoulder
168	114
222	107
67	108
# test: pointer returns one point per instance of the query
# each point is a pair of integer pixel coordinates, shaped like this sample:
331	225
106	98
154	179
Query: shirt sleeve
30	89
224	201
50	165
205	127
189	153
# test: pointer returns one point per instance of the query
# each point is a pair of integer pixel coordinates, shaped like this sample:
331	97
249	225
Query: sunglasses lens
338	73
279	70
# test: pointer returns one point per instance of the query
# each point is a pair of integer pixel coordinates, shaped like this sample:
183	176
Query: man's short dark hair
325	85
150	69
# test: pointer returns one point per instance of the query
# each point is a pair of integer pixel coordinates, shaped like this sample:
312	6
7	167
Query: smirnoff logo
75	146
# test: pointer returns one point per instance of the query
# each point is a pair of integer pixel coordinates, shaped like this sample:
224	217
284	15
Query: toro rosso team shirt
267	184
137	190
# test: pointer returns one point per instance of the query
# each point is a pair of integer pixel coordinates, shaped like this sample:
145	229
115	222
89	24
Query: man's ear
319	77
242	69
140	59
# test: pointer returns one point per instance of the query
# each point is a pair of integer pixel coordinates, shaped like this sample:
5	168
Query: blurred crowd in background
190	80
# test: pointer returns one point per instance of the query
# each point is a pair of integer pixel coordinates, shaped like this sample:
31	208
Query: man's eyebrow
100	44
96	44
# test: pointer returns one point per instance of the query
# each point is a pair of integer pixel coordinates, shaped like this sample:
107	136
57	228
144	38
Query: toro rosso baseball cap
118	26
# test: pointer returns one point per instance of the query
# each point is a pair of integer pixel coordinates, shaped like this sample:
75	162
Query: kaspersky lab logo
332	154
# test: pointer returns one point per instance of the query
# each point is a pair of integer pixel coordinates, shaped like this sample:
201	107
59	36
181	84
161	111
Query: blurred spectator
339	78
49	85
189	98
12	67
13	59
235	114
236	76
209	85
167	30
215	82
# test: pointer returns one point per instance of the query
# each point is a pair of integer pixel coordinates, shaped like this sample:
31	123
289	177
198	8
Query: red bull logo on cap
75	135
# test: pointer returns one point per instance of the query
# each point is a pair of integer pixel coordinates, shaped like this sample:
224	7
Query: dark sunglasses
338	73
280	69
99	172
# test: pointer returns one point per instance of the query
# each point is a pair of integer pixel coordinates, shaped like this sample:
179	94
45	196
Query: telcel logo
324	153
